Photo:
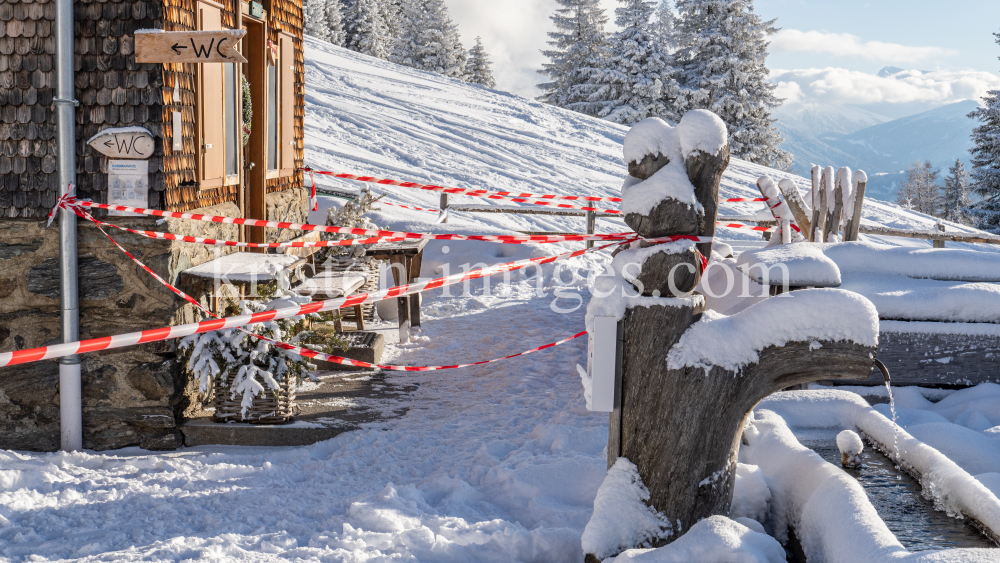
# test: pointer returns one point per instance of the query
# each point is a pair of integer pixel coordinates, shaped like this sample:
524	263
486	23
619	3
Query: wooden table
404	259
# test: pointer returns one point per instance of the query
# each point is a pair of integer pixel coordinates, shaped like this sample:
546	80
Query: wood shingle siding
114	91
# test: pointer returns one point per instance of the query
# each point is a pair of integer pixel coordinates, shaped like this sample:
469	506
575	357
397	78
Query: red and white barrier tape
742	226
71	202
165	333
313	200
407	206
463	191
497	195
309	353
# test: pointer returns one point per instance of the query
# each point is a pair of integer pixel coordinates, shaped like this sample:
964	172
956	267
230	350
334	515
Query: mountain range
844	135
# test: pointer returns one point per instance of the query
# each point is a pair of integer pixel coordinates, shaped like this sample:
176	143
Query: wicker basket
270	406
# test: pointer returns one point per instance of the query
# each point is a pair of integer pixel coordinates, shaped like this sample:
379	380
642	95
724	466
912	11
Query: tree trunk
681	428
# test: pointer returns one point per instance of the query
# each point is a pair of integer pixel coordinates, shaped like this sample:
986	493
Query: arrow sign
123	142
216	46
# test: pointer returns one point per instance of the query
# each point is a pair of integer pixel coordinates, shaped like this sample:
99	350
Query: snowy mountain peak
888	71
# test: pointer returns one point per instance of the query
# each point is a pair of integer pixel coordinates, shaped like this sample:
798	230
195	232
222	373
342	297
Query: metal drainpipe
70	395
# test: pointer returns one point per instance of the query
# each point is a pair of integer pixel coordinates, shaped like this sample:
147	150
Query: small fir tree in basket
352	216
248	368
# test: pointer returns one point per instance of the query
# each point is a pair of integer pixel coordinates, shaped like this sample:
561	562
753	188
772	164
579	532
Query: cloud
842	86
847	45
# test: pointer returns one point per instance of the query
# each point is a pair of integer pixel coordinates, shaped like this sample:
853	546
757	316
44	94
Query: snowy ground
494	463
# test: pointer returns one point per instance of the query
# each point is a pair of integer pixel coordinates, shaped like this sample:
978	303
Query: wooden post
939	243
444	207
859	201
682	427
798	206
815	230
820	213
836	217
591	224
832	205
413	269
400	272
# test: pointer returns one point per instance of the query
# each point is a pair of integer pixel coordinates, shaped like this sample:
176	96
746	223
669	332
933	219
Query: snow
715	539
788	318
702	130
849	443
242	266
491	463
942	478
751	496
828	509
651	136
622	519
804	262
121	130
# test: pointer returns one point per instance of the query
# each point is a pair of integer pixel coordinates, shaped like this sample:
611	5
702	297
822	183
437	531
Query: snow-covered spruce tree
920	192
392	12
985	172
237	363
664	26
366	31
315	20
722	55
957	195
478	69
637	81
429	40
335	22
579	48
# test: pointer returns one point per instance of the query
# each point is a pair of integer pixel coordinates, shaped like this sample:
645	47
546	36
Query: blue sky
828	52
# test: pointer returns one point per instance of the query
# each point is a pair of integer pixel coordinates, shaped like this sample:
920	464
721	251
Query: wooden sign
217	46
123	142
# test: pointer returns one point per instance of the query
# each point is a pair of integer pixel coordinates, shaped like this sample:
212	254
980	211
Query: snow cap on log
860	176
651	136
702	130
735	341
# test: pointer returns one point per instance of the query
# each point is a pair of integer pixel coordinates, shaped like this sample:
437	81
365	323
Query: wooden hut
199	161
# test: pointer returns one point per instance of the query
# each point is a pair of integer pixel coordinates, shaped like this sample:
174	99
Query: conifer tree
365	30
664	26
392	13
956	198
986	161
578	50
429	40
920	192
315	16
478	69
335	22
722	55
637	81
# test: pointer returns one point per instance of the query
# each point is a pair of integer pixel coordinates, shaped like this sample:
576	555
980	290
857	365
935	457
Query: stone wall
132	396
289	205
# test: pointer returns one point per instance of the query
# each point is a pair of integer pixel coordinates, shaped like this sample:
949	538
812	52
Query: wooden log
956	237
859	201
669	217
648	166
705	172
814	231
682	427
798	206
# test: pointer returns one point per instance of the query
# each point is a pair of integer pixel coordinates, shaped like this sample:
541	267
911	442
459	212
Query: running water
895	427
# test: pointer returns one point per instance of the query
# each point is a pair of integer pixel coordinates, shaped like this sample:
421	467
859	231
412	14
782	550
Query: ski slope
371	117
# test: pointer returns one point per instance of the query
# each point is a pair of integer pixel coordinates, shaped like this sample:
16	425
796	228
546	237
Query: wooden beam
859	201
955	237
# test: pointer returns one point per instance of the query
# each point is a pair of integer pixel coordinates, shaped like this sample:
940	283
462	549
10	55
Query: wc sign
124	142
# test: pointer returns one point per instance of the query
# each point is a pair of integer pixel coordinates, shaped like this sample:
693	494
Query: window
216	111
231	144
281	110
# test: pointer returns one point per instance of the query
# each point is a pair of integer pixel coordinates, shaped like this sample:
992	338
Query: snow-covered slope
368	116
